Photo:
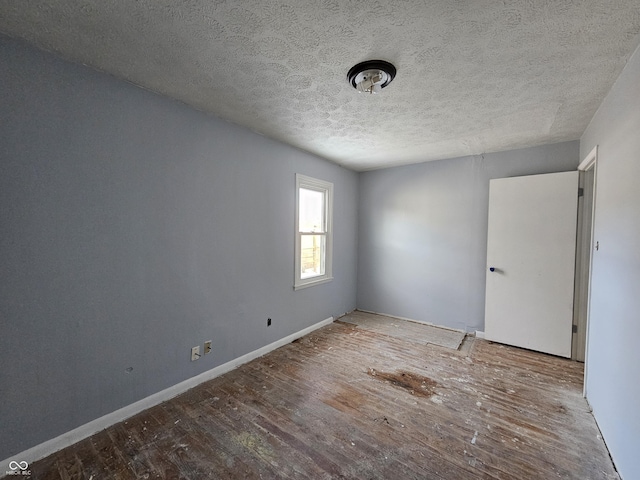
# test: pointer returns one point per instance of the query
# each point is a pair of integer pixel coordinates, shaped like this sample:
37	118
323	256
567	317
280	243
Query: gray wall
613	354
134	228
423	233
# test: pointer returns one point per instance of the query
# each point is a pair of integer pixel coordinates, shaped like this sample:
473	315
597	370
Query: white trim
411	320
589	160
312	282
479	334
84	431
303	181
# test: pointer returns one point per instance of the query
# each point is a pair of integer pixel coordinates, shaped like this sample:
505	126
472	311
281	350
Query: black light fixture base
386	67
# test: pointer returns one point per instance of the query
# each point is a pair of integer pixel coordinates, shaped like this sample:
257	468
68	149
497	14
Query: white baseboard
69	438
412	320
479	334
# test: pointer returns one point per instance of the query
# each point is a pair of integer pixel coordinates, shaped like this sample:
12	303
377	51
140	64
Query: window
314	202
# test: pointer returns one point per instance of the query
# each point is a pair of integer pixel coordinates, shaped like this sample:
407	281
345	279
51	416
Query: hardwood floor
344	402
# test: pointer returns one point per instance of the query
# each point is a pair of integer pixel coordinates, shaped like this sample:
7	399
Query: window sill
312	283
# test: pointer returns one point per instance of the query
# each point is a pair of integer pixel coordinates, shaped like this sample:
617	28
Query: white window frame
310	183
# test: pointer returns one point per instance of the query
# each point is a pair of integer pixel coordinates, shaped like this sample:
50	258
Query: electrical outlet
195	353
268	322
207	347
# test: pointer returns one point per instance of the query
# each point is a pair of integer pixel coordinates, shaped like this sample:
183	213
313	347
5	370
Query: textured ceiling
474	76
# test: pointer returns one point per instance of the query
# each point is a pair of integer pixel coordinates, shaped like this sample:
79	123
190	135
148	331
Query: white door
531	248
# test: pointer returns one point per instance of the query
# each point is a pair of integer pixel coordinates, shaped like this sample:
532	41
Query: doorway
584	252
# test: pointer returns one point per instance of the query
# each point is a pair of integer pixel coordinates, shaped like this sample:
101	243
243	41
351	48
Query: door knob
492	269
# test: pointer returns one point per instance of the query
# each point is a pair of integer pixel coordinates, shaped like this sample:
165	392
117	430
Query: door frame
589	162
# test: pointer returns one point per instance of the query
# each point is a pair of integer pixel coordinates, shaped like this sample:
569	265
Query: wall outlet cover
195	353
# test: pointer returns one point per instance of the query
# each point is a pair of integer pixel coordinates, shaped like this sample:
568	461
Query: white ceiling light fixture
371	76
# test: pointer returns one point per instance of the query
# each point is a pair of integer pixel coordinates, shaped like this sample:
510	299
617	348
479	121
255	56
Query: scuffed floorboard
405	329
344	402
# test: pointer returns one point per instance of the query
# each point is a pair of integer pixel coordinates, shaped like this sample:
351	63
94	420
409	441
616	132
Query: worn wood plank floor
343	402
405	329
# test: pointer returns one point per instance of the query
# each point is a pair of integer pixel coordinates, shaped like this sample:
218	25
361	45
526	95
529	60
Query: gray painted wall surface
423	233
613	355
134	228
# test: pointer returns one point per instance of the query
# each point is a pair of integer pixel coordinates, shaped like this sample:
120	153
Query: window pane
311	210
312	253
313	242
